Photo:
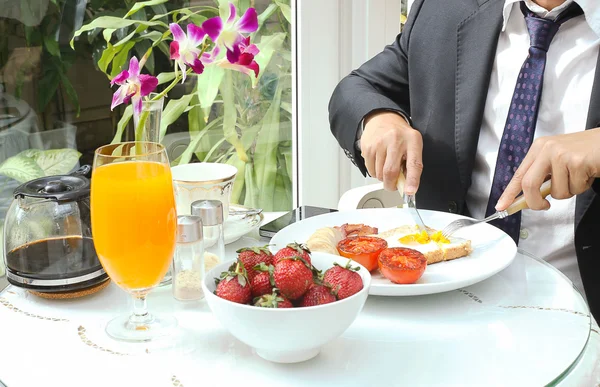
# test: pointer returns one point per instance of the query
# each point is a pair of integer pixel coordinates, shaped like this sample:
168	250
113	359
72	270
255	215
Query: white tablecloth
525	326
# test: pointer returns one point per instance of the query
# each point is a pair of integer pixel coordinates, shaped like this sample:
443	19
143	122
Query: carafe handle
84	171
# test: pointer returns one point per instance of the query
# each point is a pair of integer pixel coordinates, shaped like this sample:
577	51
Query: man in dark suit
480	100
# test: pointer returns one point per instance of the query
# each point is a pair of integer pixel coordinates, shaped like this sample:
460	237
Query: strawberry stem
269	300
255	249
299	258
240	272
348	266
299	247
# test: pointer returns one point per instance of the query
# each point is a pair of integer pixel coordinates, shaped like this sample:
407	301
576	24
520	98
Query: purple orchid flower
184	48
132	86
229	34
211	57
245	62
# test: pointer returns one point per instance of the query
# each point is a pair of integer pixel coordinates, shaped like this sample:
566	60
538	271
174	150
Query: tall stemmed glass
134	225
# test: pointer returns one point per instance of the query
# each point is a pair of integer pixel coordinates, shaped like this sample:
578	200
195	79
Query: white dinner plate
493	250
236	226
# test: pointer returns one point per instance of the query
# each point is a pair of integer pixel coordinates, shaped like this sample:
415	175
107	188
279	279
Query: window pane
263	117
57	98
404	14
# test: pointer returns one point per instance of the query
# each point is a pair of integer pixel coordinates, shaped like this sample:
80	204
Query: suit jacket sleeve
379	84
596	186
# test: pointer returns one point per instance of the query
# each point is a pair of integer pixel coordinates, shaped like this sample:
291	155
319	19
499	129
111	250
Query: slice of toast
434	251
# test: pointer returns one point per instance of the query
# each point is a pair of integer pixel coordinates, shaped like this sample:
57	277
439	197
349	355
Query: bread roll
325	240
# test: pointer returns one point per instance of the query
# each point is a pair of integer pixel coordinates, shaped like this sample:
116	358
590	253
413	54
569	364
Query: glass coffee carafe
48	244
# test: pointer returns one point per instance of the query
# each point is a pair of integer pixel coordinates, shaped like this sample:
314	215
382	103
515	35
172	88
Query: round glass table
526	326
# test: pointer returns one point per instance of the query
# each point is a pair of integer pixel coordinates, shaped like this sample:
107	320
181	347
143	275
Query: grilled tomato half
362	249
402	265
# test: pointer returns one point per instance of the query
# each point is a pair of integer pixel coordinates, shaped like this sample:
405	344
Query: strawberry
233	285
293	250
293	276
273	300
253	256
263	282
345	281
317	295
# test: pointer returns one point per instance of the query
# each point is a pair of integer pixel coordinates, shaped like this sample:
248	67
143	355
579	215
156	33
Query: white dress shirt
566	93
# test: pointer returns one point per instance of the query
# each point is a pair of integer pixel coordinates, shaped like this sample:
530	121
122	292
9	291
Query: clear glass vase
149	131
149	118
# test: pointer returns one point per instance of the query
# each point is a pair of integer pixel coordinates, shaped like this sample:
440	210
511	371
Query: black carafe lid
60	188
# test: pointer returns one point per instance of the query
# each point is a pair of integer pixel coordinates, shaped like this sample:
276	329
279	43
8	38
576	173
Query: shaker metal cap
210	211
189	228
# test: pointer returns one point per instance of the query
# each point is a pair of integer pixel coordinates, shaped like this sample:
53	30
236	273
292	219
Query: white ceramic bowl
202	181
288	335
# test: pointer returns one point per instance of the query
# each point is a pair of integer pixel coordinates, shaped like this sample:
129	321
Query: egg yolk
423	238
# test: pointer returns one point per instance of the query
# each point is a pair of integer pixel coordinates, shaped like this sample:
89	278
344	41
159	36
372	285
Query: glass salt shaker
211	213
188	262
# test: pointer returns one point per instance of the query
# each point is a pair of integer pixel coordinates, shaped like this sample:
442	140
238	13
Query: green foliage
33	164
231	117
42	29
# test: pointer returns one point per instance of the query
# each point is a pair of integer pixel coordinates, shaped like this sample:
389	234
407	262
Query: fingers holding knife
388	145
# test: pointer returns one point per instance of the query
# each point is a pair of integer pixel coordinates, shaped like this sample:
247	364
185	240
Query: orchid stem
149	51
171	86
177	79
139	131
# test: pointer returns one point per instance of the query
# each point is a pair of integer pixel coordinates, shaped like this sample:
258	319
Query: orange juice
134	221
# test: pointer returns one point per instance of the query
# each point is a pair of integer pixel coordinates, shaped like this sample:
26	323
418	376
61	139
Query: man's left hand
572	161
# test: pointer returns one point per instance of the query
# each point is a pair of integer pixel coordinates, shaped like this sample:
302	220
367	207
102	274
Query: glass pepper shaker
211	213
188	261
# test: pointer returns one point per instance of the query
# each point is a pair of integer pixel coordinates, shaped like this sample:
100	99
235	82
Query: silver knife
409	201
412	208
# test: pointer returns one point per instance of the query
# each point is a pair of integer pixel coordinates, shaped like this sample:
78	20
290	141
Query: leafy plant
34	163
47	27
41	28
231	117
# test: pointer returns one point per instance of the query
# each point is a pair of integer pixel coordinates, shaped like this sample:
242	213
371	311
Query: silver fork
518	205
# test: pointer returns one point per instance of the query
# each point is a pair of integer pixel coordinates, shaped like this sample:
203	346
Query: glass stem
140	311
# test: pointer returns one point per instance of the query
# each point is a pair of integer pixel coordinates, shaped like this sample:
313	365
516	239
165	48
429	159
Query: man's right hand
390	145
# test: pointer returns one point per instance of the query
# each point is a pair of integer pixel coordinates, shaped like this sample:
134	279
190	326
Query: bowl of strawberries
286	305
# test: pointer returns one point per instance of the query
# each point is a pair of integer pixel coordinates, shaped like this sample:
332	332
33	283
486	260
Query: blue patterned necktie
522	115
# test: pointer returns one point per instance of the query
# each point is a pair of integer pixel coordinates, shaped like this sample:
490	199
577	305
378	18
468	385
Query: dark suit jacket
437	72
